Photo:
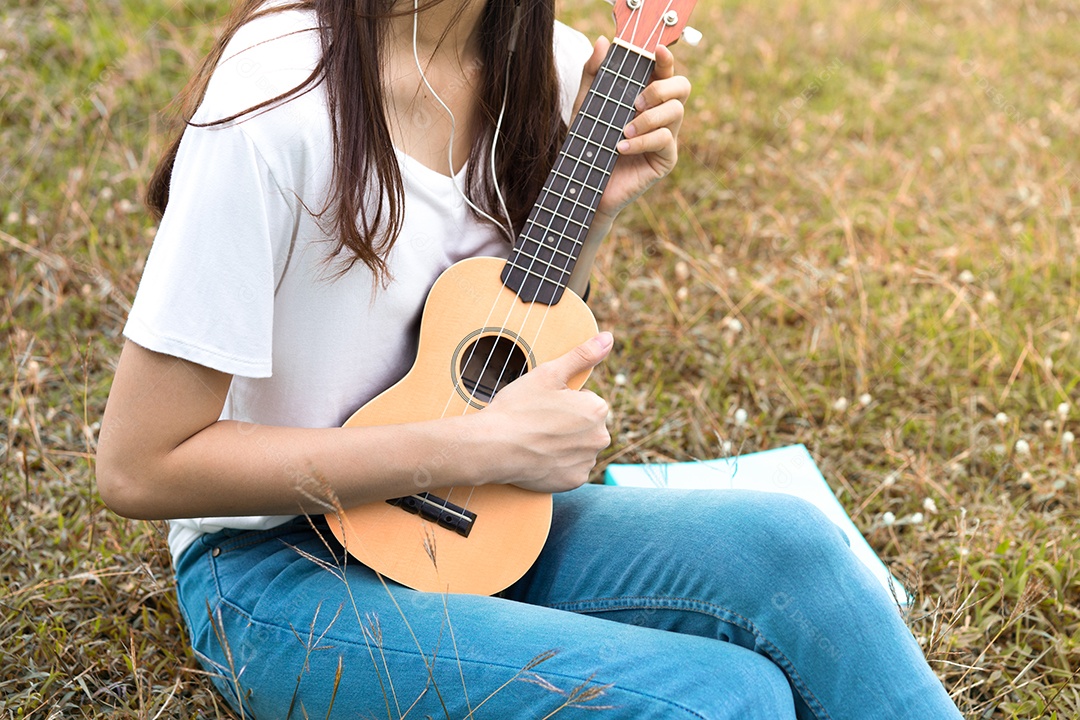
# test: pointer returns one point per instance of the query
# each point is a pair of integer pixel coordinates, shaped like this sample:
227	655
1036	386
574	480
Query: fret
569	201
613	75
545	255
582	165
586	141
560	218
556	249
601	121
564	191
610	81
559	204
583	182
546	224
605	133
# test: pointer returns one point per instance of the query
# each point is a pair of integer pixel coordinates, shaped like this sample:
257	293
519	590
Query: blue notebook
788	470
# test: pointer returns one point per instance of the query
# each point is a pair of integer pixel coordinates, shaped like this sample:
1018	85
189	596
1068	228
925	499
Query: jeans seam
246	616
706	608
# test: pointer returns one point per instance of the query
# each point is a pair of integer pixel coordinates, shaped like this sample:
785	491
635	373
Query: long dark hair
351	34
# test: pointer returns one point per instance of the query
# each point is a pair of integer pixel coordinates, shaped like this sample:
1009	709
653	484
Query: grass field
870	246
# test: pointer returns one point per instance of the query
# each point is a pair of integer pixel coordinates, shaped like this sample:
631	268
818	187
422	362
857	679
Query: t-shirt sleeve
207	291
572	49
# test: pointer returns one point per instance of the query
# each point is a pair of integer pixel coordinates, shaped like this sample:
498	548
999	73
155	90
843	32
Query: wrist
478	449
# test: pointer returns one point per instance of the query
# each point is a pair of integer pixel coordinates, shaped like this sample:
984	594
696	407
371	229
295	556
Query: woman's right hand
547	435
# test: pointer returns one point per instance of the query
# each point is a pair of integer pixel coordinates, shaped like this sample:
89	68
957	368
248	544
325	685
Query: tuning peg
691	36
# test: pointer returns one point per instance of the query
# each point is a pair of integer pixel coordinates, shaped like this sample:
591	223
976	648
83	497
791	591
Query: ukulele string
512	47
578	162
614	158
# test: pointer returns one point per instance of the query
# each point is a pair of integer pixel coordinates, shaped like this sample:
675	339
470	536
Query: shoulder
268	56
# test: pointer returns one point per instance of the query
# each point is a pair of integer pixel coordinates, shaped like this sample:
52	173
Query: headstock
644	24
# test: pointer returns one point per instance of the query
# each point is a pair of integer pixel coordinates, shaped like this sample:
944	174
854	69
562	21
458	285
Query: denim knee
787	537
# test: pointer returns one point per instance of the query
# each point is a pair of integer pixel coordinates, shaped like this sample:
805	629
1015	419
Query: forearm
232	468
579	279
162	452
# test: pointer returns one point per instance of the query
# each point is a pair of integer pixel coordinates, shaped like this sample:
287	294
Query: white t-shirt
237	279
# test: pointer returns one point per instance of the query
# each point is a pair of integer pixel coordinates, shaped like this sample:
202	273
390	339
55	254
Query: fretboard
547	249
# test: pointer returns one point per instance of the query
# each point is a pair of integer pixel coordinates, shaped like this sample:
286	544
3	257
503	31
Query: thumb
592	66
581	359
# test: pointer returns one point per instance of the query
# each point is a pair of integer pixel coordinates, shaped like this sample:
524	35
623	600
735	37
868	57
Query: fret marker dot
588	153
573	191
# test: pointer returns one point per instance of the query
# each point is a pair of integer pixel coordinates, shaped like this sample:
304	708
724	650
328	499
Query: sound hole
489	364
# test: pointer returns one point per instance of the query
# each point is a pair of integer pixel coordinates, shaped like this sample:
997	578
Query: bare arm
163	453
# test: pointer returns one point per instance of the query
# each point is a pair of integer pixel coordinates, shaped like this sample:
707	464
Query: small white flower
1067	438
1048	426
620	379
1026	477
865	399
1048	362
889	480
917	518
682	271
1022	447
740	417
929	505
1063	411
989	297
682	293
125	206
967	277
12	217
841	404
1001	419
734	325
726	445
888	519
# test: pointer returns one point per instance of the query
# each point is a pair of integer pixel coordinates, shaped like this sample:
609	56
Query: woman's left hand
650	147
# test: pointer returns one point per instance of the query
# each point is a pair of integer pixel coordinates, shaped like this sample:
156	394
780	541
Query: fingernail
605	340
639	102
623	146
629	131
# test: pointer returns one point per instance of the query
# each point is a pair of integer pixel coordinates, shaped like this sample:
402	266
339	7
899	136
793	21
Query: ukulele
486	322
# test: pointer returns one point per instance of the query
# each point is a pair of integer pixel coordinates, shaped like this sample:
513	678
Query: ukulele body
473	330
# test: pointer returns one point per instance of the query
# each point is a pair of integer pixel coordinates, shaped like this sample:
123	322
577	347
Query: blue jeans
643	604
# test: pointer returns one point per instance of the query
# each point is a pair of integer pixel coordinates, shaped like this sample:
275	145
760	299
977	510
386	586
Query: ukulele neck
547	249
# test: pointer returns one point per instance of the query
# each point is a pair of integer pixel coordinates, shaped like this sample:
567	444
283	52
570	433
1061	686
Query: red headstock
644	24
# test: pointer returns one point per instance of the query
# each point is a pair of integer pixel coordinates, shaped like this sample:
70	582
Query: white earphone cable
508	228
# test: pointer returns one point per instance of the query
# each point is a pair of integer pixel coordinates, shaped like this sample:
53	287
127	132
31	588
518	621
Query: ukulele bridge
437	510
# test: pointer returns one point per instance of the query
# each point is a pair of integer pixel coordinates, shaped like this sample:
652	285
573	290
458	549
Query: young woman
340	155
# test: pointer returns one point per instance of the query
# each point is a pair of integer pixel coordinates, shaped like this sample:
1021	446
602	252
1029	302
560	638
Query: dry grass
870	246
